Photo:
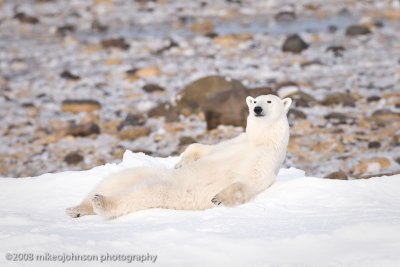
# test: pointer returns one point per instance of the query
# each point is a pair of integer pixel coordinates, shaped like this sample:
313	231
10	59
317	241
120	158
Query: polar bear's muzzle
258	111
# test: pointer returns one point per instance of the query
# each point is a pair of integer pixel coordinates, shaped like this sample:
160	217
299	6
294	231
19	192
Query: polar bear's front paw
184	161
178	165
215	200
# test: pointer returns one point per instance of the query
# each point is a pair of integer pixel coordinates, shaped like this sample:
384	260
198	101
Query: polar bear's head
267	107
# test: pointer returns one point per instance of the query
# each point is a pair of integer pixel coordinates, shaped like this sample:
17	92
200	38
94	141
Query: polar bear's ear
249	100
286	103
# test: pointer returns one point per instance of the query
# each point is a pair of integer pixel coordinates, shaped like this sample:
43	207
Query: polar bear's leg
193	153
85	208
152	196
113	184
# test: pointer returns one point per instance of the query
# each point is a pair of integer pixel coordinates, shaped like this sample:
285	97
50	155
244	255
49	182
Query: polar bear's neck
274	134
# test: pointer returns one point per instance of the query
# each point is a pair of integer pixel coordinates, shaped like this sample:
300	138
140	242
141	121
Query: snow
299	221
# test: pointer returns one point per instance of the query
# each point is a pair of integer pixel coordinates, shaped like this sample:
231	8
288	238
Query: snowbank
299	221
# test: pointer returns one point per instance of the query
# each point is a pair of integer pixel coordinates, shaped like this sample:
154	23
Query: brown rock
73	158
202	27
24	18
355	30
83	130
80	105
339	175
148	72
232	40
115	43
151	88
302	99
344	99
384	115
66	74
133	132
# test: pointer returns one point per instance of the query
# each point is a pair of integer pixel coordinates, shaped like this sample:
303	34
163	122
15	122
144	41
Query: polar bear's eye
268	101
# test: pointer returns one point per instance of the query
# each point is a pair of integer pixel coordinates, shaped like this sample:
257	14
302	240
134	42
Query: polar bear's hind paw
73	212
98	202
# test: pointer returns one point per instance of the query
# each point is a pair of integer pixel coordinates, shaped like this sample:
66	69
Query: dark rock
379	24
66	74
83	130
337	50
96	25
22	17
131	71
80	105
230	108
211	35
64	30
339	175
374	144
152	87
115	43
336	118
397	160
294	44
197	93
311	63
28	105
344	99
285	16
131	120
332	28
355	30
171	44
73	158
373	98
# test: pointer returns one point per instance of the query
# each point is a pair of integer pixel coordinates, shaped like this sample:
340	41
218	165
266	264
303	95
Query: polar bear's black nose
258	110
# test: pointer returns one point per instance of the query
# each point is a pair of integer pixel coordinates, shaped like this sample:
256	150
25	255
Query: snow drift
299	221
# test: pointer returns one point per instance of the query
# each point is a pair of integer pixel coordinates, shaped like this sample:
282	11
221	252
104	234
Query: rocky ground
82	81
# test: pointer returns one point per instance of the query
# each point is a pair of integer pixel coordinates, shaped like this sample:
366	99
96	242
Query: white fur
229	173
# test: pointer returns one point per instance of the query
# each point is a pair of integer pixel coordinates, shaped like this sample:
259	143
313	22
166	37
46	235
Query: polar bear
229	173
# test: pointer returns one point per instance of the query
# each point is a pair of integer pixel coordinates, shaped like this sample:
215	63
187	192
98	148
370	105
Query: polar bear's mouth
259	115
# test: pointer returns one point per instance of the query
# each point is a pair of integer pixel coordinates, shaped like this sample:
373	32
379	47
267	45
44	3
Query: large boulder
195	95
229	107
